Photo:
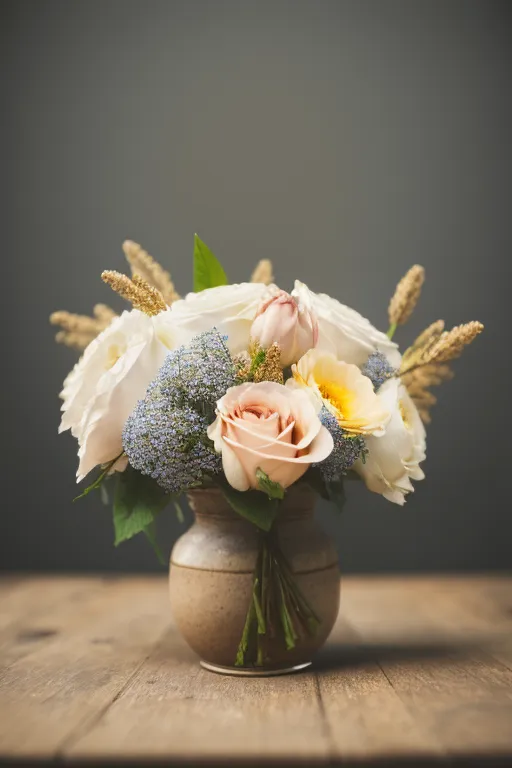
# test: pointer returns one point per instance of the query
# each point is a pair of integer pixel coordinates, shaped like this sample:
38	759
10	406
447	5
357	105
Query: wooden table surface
418	671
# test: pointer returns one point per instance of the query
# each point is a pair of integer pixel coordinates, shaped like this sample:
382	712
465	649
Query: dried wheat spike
450	344
406	296
446	347
420	345
418	382
270	369
150	270
103	314
79	330
137	291
263	272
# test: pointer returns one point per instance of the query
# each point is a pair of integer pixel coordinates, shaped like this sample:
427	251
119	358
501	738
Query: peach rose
270	427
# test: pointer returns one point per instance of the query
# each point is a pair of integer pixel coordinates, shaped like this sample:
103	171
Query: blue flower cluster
165	436
378	369
347	448
199	373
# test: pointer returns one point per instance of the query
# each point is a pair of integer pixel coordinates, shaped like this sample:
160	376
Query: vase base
254	671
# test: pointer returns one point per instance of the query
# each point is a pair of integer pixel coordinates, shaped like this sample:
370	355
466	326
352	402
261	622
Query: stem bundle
277	611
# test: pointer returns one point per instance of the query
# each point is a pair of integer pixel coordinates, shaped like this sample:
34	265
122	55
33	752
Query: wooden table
417	672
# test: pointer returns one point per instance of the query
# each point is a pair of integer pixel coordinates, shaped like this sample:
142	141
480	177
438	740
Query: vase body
211	576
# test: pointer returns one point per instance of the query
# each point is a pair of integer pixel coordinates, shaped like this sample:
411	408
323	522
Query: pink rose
270	427
290	323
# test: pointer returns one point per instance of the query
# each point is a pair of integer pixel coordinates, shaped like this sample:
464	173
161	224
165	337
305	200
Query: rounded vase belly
211	579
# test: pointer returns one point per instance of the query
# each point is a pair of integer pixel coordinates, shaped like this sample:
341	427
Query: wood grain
417	669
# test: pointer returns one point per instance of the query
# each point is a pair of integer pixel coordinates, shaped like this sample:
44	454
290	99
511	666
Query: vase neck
210	503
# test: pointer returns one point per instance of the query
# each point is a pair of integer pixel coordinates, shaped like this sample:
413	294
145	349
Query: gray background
343	140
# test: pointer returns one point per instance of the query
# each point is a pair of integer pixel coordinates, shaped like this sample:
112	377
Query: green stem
244	642
106	469
391	330
303	608
277	607
179	512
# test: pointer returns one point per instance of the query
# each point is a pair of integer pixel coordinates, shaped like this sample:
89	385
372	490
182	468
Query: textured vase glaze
211	576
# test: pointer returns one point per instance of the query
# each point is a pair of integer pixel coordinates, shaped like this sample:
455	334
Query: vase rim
299	503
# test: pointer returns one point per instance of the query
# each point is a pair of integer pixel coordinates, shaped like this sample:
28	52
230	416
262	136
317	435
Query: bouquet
249	389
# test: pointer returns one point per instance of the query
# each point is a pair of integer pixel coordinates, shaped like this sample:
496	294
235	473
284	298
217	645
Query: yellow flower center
340	398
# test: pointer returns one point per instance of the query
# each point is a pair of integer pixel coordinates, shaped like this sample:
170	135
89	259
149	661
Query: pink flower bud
283	320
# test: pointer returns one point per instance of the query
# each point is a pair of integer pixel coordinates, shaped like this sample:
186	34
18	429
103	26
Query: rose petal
236	475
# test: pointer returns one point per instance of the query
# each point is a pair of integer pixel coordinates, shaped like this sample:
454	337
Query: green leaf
137	502
208	272
268	486
100	479
252	505
105	499
258	359
179	512
150	533
336	493
316	482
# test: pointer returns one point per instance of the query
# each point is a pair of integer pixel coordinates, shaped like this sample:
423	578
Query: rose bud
291	324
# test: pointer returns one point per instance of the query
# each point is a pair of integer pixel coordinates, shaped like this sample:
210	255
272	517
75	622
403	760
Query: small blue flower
165	436
347	448
378	369
198	373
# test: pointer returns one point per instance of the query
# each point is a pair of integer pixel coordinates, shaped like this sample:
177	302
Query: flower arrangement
249	389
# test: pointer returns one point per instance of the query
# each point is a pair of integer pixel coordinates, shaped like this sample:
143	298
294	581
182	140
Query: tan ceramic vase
211	576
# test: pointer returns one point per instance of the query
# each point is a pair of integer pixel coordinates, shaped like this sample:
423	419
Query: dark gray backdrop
343	140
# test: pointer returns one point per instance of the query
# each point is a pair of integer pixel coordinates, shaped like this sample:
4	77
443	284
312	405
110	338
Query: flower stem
278	610
391	330
101	477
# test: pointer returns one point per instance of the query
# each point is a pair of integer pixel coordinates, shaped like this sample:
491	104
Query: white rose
229	308
343	331
394	459
114	372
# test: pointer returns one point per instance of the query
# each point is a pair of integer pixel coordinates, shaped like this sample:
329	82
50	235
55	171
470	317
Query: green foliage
100	479
179	512
330	490
208	272
150	533
268	486
253	505
138	501
336	493
316	482
258	359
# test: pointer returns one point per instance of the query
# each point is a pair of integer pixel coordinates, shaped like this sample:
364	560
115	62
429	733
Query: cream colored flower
102	389
344	391
229	308
343	331
270	427
394	459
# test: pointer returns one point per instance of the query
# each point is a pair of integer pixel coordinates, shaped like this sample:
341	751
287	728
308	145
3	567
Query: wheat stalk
406	296
150	270
263	272
137	291
77	331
